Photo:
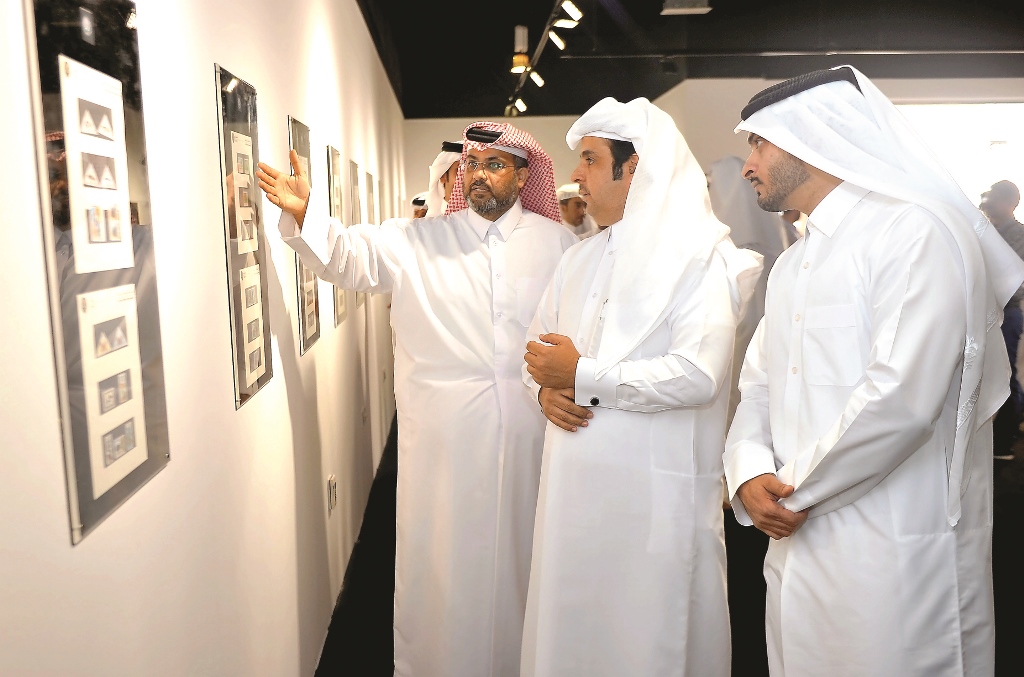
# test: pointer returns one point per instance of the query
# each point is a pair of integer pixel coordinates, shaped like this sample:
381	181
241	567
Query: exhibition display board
98	235
244	240
305	279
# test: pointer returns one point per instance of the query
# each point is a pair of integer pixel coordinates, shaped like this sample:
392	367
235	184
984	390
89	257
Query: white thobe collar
505	224
834	207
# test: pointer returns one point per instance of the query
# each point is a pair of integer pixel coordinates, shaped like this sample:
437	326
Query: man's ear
522	174
633	160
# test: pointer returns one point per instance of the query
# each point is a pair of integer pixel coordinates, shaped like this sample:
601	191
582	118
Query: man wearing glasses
465	286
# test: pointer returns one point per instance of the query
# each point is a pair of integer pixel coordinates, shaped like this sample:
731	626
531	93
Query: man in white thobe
443	172
465	287
574	211
419	205
637	325
862	443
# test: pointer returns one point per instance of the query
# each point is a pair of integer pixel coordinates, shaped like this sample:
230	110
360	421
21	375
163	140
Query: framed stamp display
97	227
371	200
354	205
334	191
305	279
244	240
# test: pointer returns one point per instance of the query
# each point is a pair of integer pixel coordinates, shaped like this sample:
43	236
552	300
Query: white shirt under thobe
628	574
850	391
470	434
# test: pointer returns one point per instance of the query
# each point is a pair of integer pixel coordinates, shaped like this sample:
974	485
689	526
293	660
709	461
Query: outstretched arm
364	258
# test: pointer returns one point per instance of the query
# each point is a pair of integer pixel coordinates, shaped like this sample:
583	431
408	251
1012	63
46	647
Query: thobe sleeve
545	321
748	447
365	258
702	325
917	325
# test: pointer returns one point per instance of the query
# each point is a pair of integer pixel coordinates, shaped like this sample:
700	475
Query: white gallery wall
706	111
225	563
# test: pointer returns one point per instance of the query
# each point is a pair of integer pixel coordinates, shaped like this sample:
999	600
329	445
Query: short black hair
520	162
621	152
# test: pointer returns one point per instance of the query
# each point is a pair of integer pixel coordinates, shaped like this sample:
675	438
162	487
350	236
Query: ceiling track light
520	62
523	65
682	7
572	10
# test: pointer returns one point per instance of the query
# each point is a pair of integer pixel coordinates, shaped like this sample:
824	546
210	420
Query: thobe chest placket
503	297
794	375
588	339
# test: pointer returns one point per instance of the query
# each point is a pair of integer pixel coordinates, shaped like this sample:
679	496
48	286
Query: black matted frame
335	205
245	245
306	283
98	41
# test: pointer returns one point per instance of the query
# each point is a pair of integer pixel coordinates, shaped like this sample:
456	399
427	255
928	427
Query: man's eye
495	166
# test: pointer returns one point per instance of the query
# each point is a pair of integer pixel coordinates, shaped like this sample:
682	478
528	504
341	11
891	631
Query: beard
784	177
498	202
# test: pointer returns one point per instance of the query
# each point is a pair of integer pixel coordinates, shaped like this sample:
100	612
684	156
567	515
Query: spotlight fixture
520	61
524	65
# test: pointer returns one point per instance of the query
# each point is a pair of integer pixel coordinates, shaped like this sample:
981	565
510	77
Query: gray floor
359	641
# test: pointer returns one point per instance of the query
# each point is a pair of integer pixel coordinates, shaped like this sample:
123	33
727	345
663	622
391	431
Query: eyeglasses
493	167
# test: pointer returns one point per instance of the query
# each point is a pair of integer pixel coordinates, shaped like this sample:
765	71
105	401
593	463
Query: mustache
479	184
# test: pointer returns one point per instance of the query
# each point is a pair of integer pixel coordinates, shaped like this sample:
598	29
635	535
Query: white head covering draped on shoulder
436	204
860	137
667	233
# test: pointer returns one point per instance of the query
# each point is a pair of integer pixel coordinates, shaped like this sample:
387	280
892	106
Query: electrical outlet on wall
332	494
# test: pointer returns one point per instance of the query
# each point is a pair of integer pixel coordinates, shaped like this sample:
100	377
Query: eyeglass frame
468	168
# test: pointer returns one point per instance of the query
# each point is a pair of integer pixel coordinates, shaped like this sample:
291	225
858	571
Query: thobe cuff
314	243
592	391
748	460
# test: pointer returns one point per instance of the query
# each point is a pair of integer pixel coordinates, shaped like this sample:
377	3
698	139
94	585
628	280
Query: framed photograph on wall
355	209
91	153
371	199
305	280
244	240
335	203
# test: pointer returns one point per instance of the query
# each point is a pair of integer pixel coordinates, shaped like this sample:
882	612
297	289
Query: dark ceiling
452	58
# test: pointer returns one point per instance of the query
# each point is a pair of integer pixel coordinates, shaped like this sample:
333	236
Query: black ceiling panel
452	58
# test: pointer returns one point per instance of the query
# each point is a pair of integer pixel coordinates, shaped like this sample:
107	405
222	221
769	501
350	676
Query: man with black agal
465	286
862	442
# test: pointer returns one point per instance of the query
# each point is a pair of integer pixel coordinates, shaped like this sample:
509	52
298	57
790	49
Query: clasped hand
290	193
760	497
554	365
